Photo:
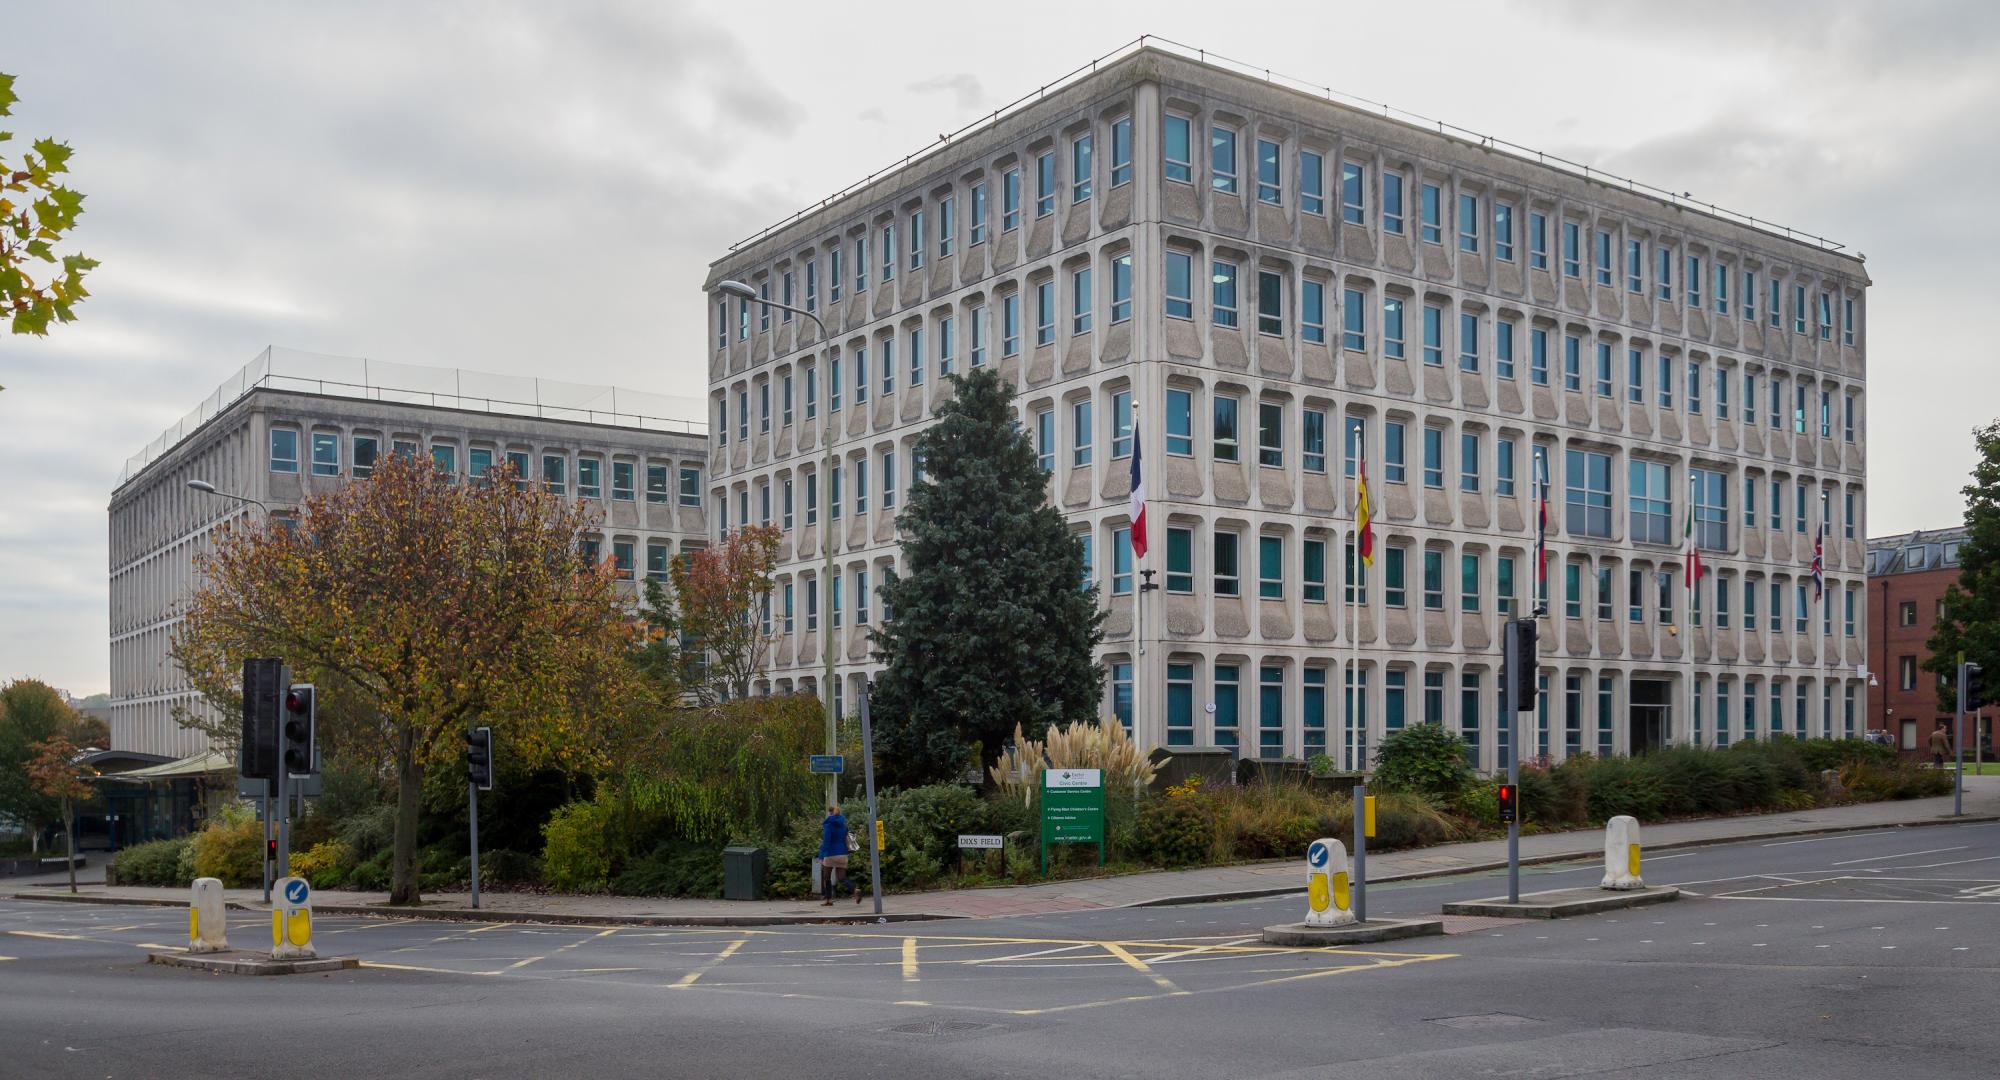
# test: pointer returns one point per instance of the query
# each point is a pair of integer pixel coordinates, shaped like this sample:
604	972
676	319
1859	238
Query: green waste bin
743	871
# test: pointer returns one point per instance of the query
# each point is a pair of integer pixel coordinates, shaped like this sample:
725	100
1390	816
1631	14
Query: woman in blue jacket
834	846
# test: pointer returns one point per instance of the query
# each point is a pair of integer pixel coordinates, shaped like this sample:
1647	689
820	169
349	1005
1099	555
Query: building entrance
1649	715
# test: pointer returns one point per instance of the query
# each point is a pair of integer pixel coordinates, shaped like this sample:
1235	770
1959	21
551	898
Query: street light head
737	288
202	485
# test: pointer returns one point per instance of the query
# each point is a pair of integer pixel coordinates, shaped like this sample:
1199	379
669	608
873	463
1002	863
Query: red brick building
1907	578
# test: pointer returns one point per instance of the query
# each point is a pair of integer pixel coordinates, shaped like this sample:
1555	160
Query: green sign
1072	810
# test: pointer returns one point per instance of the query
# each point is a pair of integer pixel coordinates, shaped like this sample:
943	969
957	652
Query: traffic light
479	758
1509	803
1971	695
296	737
1522	663
263	699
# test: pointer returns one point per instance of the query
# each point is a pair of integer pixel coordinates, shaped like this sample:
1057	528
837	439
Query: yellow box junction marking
909	959
728	951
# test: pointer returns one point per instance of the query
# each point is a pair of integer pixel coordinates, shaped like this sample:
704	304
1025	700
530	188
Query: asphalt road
1851	955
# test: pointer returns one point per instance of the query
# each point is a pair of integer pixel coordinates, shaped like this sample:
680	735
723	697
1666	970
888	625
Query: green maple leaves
36	210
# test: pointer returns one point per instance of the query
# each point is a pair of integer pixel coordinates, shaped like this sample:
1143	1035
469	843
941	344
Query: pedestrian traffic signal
295	738
479	758
1971	695
1509	803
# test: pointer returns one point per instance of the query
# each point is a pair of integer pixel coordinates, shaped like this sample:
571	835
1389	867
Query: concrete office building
1907	579
1283	285
290	424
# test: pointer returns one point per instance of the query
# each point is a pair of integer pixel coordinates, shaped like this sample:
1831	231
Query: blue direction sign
297	891
828	763
1316	855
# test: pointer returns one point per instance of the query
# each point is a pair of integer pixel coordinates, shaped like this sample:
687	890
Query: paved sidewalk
1982	801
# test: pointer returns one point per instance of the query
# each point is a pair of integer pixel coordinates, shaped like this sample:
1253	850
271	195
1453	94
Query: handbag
853	845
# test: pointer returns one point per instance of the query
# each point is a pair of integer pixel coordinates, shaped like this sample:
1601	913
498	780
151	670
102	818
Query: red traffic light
1509	795
295	702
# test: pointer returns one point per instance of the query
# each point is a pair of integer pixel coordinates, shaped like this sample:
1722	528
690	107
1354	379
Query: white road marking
1902	855
1835	836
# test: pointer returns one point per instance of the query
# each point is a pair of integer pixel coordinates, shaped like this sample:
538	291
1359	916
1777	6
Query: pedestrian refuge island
1621	886
291	952
1330	917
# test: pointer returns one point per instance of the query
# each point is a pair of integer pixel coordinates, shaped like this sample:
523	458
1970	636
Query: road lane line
1138	965
1935	865
1901	855
1020	956
727	951
1835	836
909	959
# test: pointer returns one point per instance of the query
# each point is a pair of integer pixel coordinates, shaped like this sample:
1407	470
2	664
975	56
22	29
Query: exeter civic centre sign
1072	810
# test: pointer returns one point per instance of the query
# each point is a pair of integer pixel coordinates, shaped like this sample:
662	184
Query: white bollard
291	920
1621	854
1329	898
208	926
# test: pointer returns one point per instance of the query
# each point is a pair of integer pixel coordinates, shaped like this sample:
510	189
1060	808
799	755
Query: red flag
1138	500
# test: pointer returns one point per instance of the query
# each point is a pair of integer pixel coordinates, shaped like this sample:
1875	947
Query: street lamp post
746	293
207	488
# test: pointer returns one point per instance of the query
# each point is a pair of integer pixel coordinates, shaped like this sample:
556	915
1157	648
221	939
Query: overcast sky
536	188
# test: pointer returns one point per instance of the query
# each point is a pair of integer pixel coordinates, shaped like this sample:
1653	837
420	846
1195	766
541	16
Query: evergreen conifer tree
991	625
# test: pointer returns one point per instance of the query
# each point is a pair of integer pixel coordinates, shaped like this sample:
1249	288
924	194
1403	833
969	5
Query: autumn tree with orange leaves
721	610
420	608
59	772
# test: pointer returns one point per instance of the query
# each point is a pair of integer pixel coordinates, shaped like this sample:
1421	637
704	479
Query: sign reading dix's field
1072	810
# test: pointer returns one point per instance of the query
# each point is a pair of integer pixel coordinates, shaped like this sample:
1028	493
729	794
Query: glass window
1664	279
1268	187
1468	223
1079	169
1010	200
1468	581
1010	324
1271	434
1635	376
1045	312
1538	241
1711	509
1572	362
1392	327
590	477
978	224
325	454
1180	560
1080	431
1079	302
553	476
1270	568
1392	198
656	483
1395	462
1180	285
1312	183
1395	694
1270	712
1395	592
1270	303
1433	335
1121	151
1222	158
690	480
1180	422
1587	503
1121	424
1224	293
1225	428
1227	688
1601	264
1312	440
1433	457
1433	214
1503	349
1468	341
1602	383
622	558
1045	183
1651	499
284	450
1315	572
1538	356
1312	311
1227	569
1503	467
367	448
1121	288
1433	579
1178	149
1180	704
1468	461
1572	258
1045	439
1503	237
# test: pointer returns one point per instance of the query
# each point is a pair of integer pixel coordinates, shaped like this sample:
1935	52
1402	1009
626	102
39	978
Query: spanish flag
1364	523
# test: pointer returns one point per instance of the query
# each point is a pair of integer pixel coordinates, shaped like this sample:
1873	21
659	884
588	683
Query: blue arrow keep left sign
1316	855
296	891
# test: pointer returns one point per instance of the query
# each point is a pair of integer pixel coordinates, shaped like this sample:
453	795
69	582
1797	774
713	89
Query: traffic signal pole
472	790
1513	721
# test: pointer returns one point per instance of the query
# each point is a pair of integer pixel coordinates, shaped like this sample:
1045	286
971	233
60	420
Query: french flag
1138	500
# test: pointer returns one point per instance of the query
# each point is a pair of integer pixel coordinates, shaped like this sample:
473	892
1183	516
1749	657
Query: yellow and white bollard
1621	854
208	926
291	920
1329	897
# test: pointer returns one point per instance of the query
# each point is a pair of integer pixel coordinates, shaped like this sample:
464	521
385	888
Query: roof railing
1683	200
